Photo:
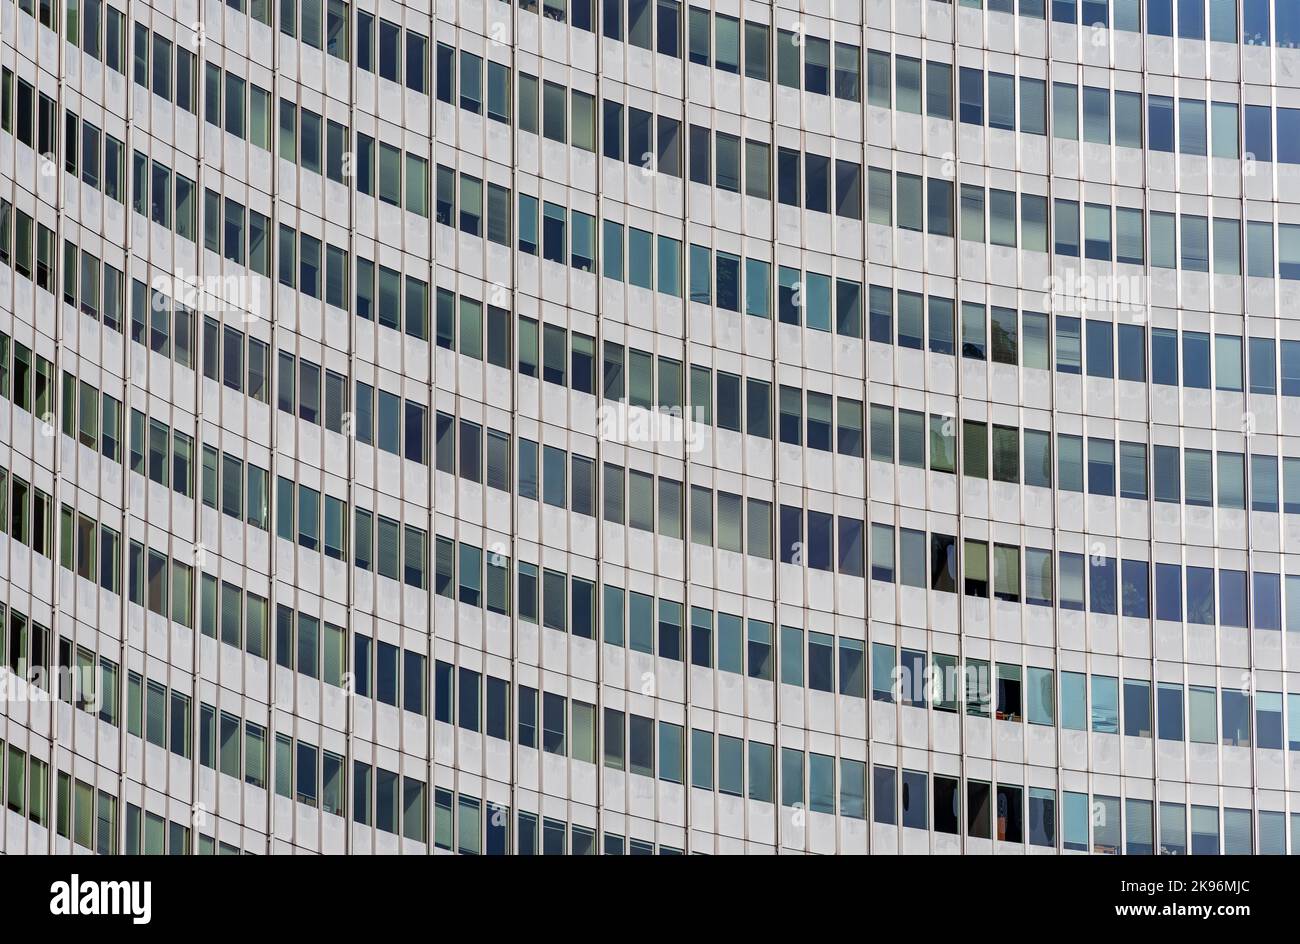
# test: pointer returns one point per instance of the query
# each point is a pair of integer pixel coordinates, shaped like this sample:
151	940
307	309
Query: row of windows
31	117
237	617
320	270
740	768
26	791
904	798
18	231
379	543
240	106
27	378
801	298
96	28
997	333
99	289
906	201
1098	583
1034	576
94	155
1092	346
657	27
907	677
166	456
1014	693
812	538
570	116
163	718
632	747
1190	126
1216	20
91	550
26	513
1179	474
172	83
1095	465
154	197
303	772
302	132
105	36
313	776
239	361
24	647
381	46
484	703
149	833
87	816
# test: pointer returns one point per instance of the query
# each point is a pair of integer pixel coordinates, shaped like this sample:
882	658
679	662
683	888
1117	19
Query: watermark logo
634	425
37	683
1080	293
75	897
215	295
937	684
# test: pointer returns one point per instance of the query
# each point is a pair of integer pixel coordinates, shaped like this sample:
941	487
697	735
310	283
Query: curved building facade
650	426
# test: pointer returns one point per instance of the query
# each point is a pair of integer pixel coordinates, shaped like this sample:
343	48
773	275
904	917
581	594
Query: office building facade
650	427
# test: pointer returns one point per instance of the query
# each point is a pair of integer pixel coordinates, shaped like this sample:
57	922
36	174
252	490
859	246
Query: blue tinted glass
1191	19
1291	368
1196	359
1064	11
1067	228
817	301
1067	345
1263	482
1160	123
1200	595
1286	24
1132	350
972	96
1071	585
1259	132
1095	12
1164	356
1101	467
1169	711
1160	17
728	282
1105	704
1288	135
1100	361
1263	371
1256	28
1073	701
1101	585
1232	597
1267	600
941	314
1168	474
1169	592
1135	576
881	314
1076	821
